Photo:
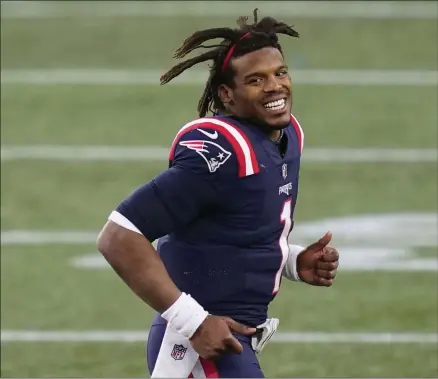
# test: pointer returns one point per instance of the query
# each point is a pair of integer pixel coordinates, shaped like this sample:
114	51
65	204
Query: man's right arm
138	264
171	200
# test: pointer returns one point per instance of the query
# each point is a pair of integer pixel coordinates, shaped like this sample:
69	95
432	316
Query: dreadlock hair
235	43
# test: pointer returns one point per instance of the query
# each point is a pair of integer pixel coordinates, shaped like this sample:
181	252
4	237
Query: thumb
325	240
318	246
238	327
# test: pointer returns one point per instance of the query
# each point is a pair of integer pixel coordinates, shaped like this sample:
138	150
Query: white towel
177	358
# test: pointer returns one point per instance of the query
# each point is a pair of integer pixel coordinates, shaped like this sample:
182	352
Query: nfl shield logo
178	352
284	170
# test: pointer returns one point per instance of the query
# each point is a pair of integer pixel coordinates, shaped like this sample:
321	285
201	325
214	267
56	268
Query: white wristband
290	268
185	315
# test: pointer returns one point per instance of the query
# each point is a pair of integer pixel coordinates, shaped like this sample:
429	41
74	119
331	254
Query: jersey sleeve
201	166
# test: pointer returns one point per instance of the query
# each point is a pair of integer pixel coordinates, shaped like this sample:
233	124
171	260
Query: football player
222	213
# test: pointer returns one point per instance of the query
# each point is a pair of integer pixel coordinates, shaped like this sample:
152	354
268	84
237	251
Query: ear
226	94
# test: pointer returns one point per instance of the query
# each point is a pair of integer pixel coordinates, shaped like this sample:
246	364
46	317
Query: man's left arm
316	264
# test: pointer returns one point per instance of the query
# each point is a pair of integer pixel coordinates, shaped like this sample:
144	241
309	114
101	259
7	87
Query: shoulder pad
216	141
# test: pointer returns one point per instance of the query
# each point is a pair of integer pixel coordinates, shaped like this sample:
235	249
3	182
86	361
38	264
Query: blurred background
84	121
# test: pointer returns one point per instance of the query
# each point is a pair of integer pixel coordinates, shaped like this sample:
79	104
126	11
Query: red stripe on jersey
194	145
209	368
240	143
298	130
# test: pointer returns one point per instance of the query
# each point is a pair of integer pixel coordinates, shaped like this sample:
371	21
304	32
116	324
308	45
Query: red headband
230	53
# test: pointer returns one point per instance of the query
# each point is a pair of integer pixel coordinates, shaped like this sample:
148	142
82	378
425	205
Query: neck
275	135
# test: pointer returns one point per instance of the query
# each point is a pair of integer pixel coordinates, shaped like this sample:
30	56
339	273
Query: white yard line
279	337
24	237
147	153
42	237
307	9
369	243
198	77
84	153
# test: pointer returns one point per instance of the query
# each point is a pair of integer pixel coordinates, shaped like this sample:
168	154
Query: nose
272	84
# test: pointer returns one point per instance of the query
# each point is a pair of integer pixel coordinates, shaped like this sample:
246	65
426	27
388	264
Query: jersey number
285	218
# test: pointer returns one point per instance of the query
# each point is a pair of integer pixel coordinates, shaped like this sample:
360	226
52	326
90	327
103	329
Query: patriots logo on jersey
212	153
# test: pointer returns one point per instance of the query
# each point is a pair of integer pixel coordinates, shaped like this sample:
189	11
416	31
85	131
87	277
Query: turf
42	290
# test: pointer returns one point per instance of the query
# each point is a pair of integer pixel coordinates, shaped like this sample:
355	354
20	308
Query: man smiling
222	212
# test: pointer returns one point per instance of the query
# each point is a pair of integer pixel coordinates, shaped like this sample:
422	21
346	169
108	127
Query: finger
232	345
331	256
329	266
238	327
325	282
211	356
320	245
326	274
325	240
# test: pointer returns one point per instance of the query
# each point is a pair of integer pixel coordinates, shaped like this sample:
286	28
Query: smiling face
261	90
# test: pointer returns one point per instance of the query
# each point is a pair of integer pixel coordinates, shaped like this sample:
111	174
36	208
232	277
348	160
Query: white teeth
276	105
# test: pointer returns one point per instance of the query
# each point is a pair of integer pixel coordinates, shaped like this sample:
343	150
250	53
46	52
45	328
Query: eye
281	72
255	81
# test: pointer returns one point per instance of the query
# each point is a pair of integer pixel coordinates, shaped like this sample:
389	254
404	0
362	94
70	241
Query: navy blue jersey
223	212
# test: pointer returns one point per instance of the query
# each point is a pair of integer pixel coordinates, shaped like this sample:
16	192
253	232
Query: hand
318	263
214	339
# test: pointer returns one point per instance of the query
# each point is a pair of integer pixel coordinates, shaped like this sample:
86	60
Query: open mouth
276	105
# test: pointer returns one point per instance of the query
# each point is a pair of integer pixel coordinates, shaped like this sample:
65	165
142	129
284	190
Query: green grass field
382	214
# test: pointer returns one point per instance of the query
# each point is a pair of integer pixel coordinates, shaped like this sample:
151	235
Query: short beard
267	128
279	127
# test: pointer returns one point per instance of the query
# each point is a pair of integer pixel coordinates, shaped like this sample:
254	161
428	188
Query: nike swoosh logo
208	134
